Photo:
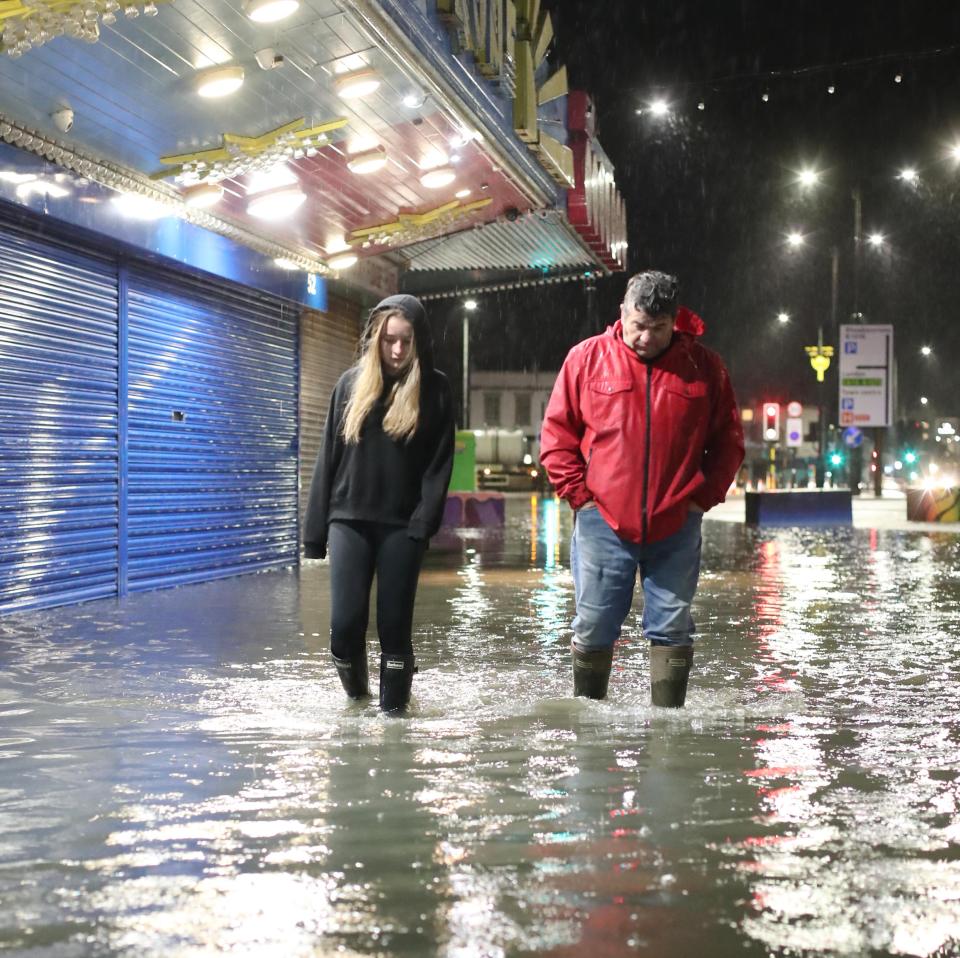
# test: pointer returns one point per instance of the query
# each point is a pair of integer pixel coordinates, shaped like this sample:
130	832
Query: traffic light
836	459
771	421
910	457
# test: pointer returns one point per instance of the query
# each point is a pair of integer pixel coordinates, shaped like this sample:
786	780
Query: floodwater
180	774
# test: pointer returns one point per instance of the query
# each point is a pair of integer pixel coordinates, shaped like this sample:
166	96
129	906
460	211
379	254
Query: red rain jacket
643	439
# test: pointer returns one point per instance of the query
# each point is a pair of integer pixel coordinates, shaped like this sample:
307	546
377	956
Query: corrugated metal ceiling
538	240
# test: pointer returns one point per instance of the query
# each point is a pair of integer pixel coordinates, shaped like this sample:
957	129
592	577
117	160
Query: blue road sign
852	436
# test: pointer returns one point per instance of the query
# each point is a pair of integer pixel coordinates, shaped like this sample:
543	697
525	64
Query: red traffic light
771	421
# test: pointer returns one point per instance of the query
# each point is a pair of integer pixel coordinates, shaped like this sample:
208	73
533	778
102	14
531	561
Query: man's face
646	335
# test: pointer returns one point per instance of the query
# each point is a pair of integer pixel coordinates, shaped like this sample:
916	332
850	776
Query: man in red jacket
641	436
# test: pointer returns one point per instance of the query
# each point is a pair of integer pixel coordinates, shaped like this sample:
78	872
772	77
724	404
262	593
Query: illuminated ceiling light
765	96
470	305
278	175
202	195
358	83
909	175
432	159
701	105
925	350
438	178
269	11
276	204
462	194
342	260
659	107
924	400
875	240
795	239
898	77
284	263
783	317
955	151
831	88
414	99
218	81
368	162
138	207
808	177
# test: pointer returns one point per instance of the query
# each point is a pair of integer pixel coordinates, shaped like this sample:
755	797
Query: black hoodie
381	479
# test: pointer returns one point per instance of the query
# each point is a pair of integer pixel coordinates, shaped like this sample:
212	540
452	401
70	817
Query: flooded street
181	774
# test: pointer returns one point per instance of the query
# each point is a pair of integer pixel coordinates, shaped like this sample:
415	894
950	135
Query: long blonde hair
403	400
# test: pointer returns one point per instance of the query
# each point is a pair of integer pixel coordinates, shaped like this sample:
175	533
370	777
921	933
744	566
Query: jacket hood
412	308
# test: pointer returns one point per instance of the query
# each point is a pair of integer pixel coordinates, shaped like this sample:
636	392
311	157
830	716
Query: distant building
511	400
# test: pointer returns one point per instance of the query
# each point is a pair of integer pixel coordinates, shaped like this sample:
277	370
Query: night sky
712	194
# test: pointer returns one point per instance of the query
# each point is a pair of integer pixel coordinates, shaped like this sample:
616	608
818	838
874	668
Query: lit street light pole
468	307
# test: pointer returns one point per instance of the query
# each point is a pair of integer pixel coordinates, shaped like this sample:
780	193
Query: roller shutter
328	345
212	430
58	423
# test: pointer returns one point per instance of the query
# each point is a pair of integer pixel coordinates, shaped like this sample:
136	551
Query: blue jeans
604	573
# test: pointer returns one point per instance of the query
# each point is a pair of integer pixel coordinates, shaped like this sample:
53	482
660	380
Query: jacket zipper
646	461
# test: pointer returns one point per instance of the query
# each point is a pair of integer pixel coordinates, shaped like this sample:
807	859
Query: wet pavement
180	774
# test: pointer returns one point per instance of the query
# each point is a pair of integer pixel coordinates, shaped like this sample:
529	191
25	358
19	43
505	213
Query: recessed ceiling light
202	195
460	194
369	161
440	177
358	83
269	11
342	261
218	81
276	204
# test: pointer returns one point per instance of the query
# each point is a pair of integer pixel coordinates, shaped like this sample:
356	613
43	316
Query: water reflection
183	775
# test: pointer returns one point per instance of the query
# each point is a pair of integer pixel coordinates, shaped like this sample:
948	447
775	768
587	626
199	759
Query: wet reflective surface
181	775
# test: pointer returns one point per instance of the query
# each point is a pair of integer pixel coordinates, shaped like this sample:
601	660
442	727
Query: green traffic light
836	459
910	457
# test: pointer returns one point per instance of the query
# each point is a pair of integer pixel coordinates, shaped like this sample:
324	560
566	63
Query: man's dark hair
654	292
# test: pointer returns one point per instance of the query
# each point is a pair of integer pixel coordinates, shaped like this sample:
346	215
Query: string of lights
764	82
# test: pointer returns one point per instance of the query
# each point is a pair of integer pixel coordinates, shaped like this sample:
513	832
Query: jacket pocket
608	387
679	387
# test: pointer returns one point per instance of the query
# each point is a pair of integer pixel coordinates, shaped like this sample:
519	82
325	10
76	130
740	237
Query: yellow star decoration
412	226
237	152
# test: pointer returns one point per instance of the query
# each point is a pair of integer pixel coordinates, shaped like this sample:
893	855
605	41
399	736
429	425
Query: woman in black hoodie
378	492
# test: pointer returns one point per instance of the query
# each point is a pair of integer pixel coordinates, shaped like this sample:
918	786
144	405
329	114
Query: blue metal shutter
58	423
212	430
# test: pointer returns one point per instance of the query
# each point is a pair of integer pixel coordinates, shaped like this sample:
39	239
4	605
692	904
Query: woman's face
396	344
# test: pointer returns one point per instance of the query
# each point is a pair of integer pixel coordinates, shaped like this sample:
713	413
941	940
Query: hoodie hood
412	308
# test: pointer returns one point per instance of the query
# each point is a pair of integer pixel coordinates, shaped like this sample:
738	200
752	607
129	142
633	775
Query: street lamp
808	177
783	318
469	306
795	239
925	351
876	240
909	175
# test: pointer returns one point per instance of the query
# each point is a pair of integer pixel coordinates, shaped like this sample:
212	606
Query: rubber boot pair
591	672
669	672
396	678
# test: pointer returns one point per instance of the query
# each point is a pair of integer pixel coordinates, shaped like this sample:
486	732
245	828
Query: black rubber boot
669	671
396	677
353	675
591	672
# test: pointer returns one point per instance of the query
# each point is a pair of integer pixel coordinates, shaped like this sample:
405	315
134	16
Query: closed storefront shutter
328	346
58	423
212	430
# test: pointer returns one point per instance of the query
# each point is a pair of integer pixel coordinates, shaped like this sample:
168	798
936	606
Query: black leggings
357	550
